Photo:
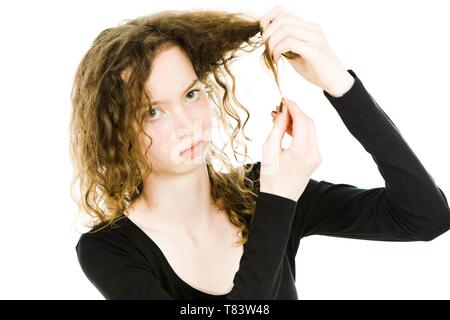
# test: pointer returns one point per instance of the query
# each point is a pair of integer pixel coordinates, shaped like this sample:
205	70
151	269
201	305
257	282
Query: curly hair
108	113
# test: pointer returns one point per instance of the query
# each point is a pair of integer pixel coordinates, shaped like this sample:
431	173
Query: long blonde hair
108	113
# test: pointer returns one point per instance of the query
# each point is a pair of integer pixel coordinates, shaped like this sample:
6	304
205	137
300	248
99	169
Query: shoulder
103	243
106	230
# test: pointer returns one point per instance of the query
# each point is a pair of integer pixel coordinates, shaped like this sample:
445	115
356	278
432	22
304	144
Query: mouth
191	147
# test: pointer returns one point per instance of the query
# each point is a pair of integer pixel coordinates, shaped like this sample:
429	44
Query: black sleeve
118	275
259	274
411	207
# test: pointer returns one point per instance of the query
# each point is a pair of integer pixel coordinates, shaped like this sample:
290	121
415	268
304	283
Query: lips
193	145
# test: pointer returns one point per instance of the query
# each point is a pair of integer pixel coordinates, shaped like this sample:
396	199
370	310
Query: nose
181	118
183	124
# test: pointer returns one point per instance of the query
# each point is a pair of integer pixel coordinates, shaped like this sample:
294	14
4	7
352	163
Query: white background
399	49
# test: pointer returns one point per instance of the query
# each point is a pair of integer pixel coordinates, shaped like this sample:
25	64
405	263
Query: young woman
168	225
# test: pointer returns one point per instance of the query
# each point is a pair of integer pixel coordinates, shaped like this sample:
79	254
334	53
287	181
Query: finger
289	21
267	18
289	127
275	113
312	135
295	112
297	46
300	121
290	30
279	128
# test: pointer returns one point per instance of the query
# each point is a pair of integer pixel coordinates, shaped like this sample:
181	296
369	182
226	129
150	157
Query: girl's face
181	115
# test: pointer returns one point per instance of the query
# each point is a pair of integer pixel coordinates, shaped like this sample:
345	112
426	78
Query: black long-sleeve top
125	263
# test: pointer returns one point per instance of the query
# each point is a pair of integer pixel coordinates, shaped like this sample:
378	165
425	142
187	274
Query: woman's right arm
260	269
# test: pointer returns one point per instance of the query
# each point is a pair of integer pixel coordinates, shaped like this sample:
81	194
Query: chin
187	162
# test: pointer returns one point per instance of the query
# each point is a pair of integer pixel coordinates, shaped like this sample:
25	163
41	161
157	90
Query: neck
180	202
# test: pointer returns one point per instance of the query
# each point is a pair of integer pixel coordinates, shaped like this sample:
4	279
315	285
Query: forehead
172	72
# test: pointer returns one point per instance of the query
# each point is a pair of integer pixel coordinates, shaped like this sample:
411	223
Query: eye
153	114
196	90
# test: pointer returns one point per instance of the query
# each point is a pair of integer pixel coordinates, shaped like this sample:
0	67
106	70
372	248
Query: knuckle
314	158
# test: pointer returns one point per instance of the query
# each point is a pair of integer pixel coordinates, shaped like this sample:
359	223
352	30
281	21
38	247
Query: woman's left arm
411	206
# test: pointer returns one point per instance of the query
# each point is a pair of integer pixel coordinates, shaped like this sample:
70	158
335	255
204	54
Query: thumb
280	125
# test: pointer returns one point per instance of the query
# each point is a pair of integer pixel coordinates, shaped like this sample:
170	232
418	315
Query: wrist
342	85
279	192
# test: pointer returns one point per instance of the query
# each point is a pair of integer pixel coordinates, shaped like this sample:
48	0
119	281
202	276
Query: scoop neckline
165	261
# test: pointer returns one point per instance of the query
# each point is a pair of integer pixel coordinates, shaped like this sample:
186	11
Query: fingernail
280	108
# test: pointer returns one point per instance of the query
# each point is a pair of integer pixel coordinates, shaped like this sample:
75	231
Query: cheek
208	125
163	147
202	123
159	143
206	118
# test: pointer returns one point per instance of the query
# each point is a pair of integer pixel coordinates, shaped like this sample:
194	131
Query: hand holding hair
306	48
286	172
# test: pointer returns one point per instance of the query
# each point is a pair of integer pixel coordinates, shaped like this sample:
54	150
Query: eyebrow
187	88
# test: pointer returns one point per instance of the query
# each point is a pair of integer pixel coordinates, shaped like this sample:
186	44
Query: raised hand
286	172
307	50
